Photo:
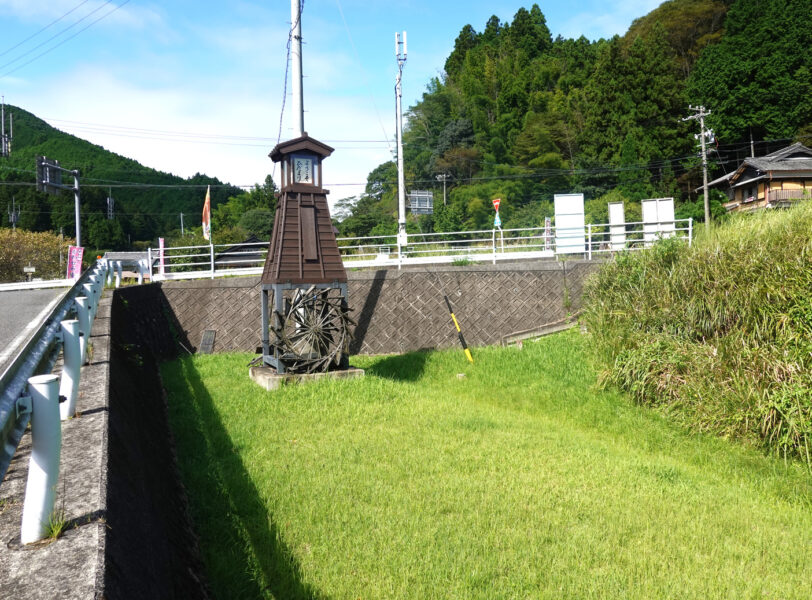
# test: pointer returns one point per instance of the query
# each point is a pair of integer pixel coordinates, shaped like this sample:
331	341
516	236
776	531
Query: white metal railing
192	262
30	393
485	245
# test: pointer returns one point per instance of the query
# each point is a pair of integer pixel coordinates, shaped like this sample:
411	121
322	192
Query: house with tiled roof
772	181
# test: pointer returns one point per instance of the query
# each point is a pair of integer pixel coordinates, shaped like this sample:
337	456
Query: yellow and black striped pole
459	331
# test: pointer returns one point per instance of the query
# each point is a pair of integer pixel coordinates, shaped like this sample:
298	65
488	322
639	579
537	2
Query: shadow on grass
238	534
401	367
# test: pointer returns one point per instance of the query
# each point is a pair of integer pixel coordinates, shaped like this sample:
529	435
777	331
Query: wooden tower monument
304	284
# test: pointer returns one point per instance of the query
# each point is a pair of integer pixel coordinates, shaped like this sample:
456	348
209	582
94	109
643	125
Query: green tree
758	78
258	222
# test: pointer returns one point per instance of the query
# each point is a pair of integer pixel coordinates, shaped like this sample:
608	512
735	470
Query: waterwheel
312	334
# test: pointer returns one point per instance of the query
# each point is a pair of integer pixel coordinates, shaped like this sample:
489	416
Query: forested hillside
516	114
147	202
520	115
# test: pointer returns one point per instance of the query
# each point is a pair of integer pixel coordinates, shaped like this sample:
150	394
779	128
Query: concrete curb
71	567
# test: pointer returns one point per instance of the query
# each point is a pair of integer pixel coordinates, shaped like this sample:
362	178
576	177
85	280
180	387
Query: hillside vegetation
718	334
147	202
521	115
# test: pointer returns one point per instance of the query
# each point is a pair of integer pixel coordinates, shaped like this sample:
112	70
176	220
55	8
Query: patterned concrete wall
395	311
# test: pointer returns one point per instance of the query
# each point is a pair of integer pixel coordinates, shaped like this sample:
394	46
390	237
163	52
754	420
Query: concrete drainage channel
126	528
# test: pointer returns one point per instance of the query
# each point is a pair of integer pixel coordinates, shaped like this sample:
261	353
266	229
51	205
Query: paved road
20	314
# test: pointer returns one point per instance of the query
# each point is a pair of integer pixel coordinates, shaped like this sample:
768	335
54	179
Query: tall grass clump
718	334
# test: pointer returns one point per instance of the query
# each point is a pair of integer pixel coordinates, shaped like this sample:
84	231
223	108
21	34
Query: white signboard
617	226
658	219
569	224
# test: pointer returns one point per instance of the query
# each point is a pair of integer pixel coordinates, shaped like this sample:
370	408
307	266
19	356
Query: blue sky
190	87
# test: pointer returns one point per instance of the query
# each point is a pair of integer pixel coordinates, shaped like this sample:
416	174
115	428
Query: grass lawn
509	478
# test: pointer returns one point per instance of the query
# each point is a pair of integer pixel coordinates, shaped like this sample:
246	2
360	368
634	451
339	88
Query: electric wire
36	33
55	46
56	35
113	129
287	69
363	71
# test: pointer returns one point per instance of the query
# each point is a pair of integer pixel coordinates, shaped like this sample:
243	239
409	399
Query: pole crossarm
700	112
49	180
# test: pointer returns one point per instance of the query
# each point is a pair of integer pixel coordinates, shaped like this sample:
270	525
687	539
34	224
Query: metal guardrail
487	245
37	284
29	393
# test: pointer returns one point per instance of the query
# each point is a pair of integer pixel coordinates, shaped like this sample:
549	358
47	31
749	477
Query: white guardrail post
118	274
83	316
690	231
29	393
97	285
43	467
109	266
90	294
71	368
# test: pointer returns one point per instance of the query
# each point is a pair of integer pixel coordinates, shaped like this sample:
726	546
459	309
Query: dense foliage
521	115
719	334
758	78
44	251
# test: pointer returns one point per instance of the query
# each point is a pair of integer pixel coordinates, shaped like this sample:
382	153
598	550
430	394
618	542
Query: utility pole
110	206
442	177
400	55
5	140
752	145
296	63
49	180
13	214
700	113
181	225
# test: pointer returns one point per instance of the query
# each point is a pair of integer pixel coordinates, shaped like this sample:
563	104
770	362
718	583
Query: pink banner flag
207	215
75	254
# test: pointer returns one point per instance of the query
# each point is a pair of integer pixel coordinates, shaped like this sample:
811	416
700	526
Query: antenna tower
400	55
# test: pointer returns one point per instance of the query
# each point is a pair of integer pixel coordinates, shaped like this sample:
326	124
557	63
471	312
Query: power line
210	140
196	134
366	78
538	174
35	34
55	46
56	35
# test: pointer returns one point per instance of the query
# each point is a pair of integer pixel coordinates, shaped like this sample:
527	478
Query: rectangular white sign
569	224
617	226
658	219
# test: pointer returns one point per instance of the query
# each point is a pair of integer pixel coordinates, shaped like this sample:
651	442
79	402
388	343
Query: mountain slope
141	212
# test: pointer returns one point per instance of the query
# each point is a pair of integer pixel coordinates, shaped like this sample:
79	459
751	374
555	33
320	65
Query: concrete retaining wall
395	311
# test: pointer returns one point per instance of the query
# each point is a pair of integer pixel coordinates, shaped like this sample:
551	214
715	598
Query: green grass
518	480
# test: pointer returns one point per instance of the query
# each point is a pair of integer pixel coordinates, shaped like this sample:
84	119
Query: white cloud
227	110
606	20
131	15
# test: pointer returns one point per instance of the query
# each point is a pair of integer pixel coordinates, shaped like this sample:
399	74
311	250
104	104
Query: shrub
718	334
19	248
